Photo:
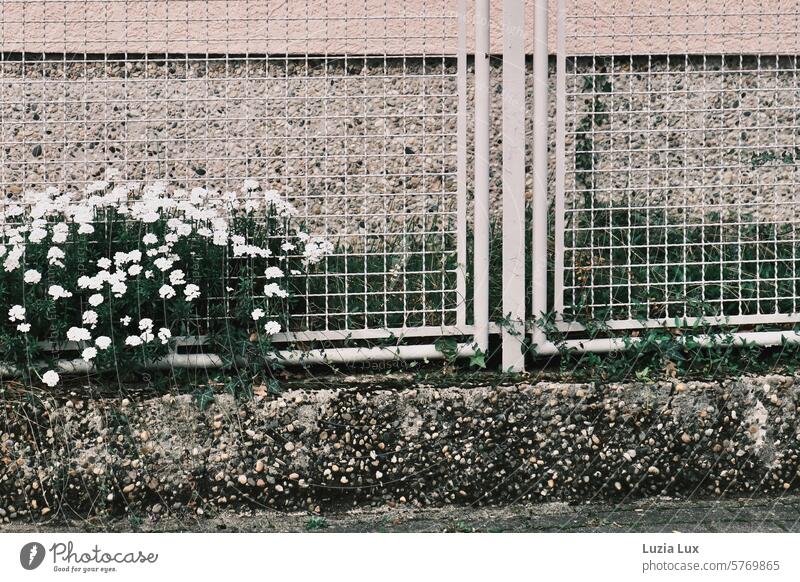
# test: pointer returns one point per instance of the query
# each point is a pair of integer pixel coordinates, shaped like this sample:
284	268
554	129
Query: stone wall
365	445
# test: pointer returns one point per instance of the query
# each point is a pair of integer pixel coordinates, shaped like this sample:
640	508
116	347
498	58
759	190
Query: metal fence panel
678	163
356	109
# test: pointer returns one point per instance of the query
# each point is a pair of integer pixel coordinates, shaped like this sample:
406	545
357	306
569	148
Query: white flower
148	274
250	185
95	283
145	324
58	292
272	327
102	342
89	354
85	229
60	232
12	261
316	249
166	292
273	273
96	186
191	291
119	288
149	216
37	235
220	237
116	277
163	264
104	263
54	256
133	340
134	270
281	206
150	239
24	327
126	321
177	278
90	318
95	300
272	290
78	334
147	336
250	251
50	378
257	314
16	313
164	334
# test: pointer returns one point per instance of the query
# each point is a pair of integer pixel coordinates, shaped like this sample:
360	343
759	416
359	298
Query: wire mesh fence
680	141
676	148
349	109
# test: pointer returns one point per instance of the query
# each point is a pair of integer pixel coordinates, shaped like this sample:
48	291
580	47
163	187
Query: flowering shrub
123	269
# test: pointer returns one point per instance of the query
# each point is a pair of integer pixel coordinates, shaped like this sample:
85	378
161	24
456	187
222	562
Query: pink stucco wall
385	26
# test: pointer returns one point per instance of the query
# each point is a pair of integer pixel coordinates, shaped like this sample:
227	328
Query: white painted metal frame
482	162
624	100
197	110
540	181
514	149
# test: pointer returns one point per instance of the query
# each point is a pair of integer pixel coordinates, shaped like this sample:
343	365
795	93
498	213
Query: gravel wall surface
421	446
357	141
664	515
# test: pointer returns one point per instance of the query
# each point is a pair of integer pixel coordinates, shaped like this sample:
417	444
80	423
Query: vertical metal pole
482	130
513	184
540	130
461	206
559	225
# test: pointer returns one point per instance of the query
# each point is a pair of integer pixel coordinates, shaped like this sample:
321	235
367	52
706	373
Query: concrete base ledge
369	447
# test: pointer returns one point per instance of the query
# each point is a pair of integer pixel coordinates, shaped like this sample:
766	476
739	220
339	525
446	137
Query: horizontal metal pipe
607	345
288	357
376	354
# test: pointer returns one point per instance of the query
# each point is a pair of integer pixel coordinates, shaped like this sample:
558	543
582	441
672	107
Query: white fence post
559	224
482	142
540	136
513	184
461	210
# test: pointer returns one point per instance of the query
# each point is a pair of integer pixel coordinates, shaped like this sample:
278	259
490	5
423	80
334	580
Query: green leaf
448	347
204	397
274	387
478	360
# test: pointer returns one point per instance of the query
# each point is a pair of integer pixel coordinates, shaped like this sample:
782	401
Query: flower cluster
123	268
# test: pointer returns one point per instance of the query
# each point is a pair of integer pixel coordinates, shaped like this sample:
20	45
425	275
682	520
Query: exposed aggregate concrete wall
334	449
371	145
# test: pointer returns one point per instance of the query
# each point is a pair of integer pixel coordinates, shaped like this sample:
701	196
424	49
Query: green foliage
638	261
680	351
448	347
316	523
204	396
478	359
116	276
